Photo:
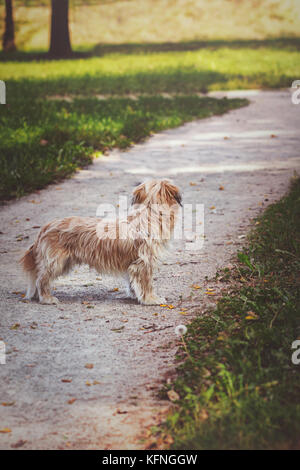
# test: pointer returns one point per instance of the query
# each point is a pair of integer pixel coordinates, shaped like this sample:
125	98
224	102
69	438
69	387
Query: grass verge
184	68
238	387
42	141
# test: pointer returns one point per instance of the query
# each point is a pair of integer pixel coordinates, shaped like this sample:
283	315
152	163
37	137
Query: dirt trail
252	153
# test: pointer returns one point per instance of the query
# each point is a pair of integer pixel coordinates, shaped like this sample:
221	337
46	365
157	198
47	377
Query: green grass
239	388
72	132
42	141
180	68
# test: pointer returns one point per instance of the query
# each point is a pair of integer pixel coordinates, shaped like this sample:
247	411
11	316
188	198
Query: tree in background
9	31
60	44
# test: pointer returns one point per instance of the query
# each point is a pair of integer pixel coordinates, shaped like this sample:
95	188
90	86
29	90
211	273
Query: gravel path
85	374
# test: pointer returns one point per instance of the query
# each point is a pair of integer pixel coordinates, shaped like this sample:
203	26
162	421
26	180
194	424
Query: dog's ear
170	193
178	198
139	194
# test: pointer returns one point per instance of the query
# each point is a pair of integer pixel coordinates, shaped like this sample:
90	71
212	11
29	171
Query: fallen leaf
172	395
18	444
203	415
66	380
10	403
251	315
15	326
72	400
206	372
221	188
89	366
118	330
169	440
5	430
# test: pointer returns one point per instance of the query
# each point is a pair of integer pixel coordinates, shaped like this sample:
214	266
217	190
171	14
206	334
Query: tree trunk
60	44
9	33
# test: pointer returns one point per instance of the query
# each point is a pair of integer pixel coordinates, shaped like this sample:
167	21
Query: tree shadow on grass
276	43
173	80
100	50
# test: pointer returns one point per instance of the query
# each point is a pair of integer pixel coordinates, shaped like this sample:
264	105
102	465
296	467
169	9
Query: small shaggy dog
129	246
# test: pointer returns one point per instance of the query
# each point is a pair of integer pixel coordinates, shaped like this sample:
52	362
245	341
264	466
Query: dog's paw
130	294
49	301
154	300
27	297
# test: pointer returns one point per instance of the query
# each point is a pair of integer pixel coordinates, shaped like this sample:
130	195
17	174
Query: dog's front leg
140	277
129	290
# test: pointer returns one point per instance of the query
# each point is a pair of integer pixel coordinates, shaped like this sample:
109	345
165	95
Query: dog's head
161	192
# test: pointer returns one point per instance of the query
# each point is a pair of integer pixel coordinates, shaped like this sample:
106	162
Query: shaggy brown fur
129	246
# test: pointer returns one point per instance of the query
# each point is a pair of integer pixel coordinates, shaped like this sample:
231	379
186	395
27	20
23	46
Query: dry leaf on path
89	366
18	444
172	395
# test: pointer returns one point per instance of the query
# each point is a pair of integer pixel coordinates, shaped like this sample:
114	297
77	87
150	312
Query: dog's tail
28	261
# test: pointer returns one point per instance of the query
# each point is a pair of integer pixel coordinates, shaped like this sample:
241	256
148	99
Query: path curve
252	153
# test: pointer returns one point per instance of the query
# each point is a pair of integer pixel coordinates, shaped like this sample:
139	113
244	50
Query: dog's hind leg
29	266
140	276
31	286
56	267
43	287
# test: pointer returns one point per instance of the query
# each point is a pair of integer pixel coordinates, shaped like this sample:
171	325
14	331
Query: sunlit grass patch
208	68
238	388
42	140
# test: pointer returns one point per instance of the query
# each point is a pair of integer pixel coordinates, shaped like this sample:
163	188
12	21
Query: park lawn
175	68
238	388
43	140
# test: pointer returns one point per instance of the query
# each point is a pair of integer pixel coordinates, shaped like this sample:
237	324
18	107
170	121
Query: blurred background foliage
95	22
